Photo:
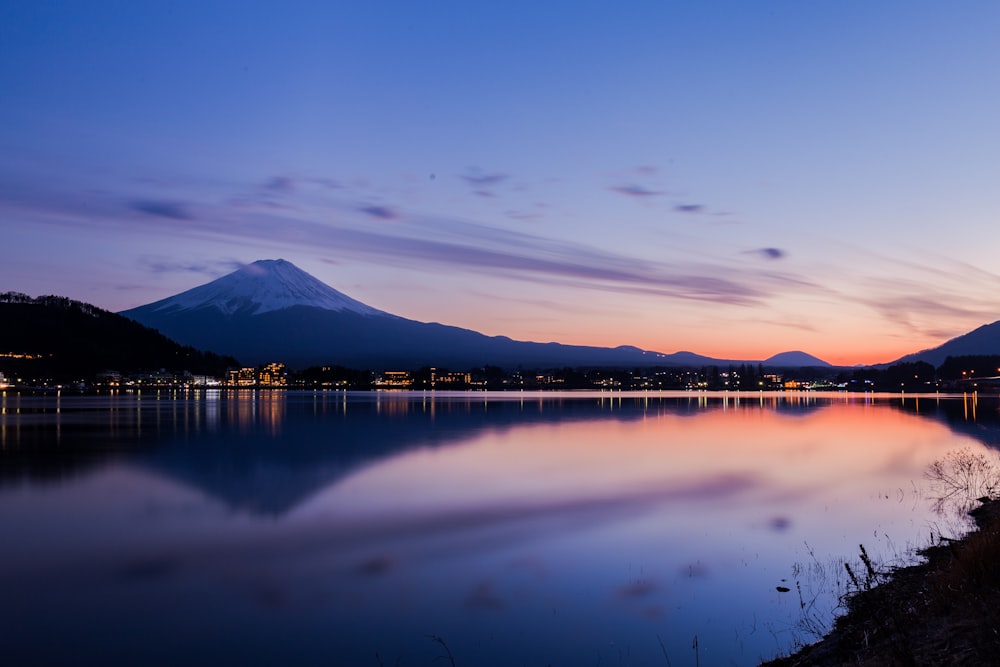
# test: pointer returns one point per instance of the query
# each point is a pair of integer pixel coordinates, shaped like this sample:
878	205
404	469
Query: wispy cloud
443	242
328	183
479	179
265	202
161	209
921	311
768	253
689	208
380	212
284	192
482	182
788	321
160	265
283	184
524	216
438	243
633	190
921	307
919	296
506	253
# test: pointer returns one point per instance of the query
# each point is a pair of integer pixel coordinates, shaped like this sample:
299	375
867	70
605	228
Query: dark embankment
945	611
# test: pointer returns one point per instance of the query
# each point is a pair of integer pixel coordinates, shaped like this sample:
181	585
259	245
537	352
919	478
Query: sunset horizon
581	337
732	180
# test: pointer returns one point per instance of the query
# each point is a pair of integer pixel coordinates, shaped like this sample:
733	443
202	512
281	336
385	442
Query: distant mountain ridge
271	310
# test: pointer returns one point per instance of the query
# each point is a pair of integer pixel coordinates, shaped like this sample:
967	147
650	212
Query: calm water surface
264	528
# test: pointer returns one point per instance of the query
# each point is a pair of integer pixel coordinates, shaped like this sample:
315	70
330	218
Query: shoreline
942	611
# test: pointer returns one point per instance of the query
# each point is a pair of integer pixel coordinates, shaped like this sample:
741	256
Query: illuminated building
242	377
438	377
394	379
272	375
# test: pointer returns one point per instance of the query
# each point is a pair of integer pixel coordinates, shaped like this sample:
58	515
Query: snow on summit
261	287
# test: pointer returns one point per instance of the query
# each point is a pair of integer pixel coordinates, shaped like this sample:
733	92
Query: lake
383	528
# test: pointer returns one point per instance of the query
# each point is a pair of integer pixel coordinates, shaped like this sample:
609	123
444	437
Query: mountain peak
794	358
261	287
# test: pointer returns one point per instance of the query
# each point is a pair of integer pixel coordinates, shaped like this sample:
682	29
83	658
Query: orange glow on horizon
852	344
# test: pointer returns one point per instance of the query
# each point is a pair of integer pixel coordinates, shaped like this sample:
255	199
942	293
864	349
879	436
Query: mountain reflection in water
319	528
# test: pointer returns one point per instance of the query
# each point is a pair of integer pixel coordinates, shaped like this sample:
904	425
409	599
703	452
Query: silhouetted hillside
61	339
982	341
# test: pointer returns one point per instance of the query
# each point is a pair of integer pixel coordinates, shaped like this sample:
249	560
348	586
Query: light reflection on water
576	528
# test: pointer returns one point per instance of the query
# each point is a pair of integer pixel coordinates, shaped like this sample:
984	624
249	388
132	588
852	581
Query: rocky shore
944	611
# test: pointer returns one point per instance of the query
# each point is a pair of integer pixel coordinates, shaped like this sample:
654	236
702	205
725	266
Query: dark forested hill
58	338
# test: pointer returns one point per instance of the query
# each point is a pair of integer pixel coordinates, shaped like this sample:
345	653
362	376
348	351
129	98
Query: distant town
972	373
54	343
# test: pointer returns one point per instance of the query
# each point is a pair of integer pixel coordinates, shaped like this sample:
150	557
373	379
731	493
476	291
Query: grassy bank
944	611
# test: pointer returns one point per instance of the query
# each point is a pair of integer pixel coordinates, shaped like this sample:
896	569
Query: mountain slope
272	311
984	340
303	336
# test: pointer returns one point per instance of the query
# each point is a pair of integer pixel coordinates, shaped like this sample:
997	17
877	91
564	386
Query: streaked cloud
380	212
482	182
769	253
162	265
922	295
283	184
689	208
426	242
161	209
525	216
921	311
479	179
633	190
527	257
328	183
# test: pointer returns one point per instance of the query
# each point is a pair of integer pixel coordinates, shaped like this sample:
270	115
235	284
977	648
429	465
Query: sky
731	178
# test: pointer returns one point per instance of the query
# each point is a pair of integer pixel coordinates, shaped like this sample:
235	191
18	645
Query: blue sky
730	178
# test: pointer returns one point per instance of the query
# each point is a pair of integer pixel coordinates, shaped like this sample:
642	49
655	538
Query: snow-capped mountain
272	311
261	287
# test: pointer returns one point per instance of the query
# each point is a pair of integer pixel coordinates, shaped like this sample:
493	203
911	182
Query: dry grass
962	478
945	611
